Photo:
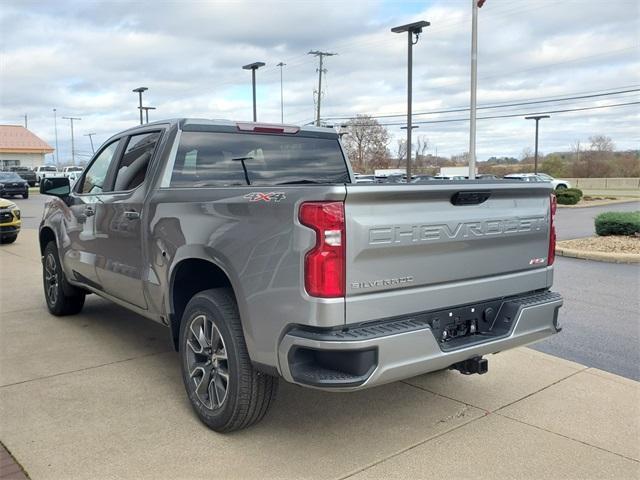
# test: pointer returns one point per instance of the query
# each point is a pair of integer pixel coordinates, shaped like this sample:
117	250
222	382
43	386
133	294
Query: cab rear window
227	159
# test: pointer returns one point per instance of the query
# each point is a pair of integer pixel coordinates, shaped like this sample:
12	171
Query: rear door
121	269
444	237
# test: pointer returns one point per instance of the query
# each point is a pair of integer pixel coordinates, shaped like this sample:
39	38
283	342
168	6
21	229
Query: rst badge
265	197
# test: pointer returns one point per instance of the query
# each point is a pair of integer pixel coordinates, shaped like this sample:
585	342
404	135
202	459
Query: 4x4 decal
265	197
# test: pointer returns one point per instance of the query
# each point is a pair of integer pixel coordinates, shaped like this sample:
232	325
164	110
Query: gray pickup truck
254	245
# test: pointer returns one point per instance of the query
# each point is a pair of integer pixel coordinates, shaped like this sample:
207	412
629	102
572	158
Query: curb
602	203
598	256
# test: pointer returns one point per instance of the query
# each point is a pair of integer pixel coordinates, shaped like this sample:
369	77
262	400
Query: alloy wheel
207	362
51	279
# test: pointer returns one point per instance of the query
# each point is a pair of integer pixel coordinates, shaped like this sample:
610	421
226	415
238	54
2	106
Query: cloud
84	58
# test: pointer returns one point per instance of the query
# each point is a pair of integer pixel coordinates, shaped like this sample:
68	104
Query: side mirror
55	186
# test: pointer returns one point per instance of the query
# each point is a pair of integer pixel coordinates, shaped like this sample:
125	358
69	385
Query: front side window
93	181
135	161
226	159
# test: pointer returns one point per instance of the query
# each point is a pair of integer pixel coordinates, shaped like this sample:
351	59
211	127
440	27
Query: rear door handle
132	215
89	211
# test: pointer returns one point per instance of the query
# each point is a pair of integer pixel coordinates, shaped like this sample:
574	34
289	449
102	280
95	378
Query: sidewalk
99	395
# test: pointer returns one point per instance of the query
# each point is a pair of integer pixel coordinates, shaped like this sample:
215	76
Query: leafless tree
366	142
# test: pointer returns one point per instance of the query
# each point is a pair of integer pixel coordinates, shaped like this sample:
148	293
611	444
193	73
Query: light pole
411	29
55	128
146	112
281	64
73	145
90	135
253	67
537	119
139	91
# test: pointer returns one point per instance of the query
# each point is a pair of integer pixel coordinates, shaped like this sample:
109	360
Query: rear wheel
62	298
561	186
226	392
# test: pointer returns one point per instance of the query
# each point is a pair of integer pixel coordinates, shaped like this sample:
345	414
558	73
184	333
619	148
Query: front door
85	239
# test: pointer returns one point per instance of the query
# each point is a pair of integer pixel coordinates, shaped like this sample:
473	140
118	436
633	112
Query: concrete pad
495	447
133	420
599	409
36	344
26	246
512	375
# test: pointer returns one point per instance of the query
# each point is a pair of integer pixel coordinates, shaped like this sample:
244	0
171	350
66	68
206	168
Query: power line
465	119
485	107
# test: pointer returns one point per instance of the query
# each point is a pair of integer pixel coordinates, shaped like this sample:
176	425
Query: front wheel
226	392
8	239
25	195
62	298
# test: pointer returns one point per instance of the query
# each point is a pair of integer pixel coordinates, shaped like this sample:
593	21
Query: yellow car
9	221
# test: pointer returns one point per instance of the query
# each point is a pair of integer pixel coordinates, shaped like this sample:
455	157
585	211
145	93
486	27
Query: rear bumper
397	349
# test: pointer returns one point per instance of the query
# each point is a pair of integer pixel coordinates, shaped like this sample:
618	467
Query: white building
21	147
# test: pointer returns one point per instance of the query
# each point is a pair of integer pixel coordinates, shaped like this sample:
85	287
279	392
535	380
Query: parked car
251	243
540	177
422	178
9	221
26	173
66	171
46	171
11	184
365	179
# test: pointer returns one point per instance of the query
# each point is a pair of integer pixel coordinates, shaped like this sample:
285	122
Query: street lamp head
253	66
536	117
415	27
140	89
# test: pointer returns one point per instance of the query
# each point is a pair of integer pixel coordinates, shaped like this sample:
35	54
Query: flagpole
474	85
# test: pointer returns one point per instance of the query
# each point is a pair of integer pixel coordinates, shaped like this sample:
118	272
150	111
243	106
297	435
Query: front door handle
89	212
132	215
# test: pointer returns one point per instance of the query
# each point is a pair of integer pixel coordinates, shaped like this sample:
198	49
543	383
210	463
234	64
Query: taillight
324	264
553	205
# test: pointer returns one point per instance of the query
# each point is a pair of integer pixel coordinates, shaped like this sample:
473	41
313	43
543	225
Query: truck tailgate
461	240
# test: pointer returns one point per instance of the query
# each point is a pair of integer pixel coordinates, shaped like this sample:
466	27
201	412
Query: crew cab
265	259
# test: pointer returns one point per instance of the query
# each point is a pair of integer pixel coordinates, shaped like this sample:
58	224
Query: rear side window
135	161
216	159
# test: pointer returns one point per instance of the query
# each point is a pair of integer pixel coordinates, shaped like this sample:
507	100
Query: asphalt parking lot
99	395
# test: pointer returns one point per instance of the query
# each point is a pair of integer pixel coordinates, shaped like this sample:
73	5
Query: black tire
248	392
561	186
25	195
61	297
8	239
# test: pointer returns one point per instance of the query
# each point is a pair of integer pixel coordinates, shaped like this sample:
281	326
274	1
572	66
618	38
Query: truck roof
225	124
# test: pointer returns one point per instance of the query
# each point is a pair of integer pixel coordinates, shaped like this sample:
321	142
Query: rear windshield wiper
244	167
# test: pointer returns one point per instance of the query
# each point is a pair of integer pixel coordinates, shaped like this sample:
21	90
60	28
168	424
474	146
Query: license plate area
456	327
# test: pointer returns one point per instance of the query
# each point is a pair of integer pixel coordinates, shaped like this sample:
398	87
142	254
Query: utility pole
90	135
139	91
55	128
321	55
412	29
537	119
73	145
475	4
281	94
146	112
253	67
25	121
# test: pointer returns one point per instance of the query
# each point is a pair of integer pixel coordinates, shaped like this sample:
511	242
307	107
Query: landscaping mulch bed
608	244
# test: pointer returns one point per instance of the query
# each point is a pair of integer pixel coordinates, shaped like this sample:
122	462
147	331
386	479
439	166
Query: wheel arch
45	236
189	277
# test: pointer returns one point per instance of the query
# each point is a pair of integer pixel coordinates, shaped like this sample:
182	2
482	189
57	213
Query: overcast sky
84	58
